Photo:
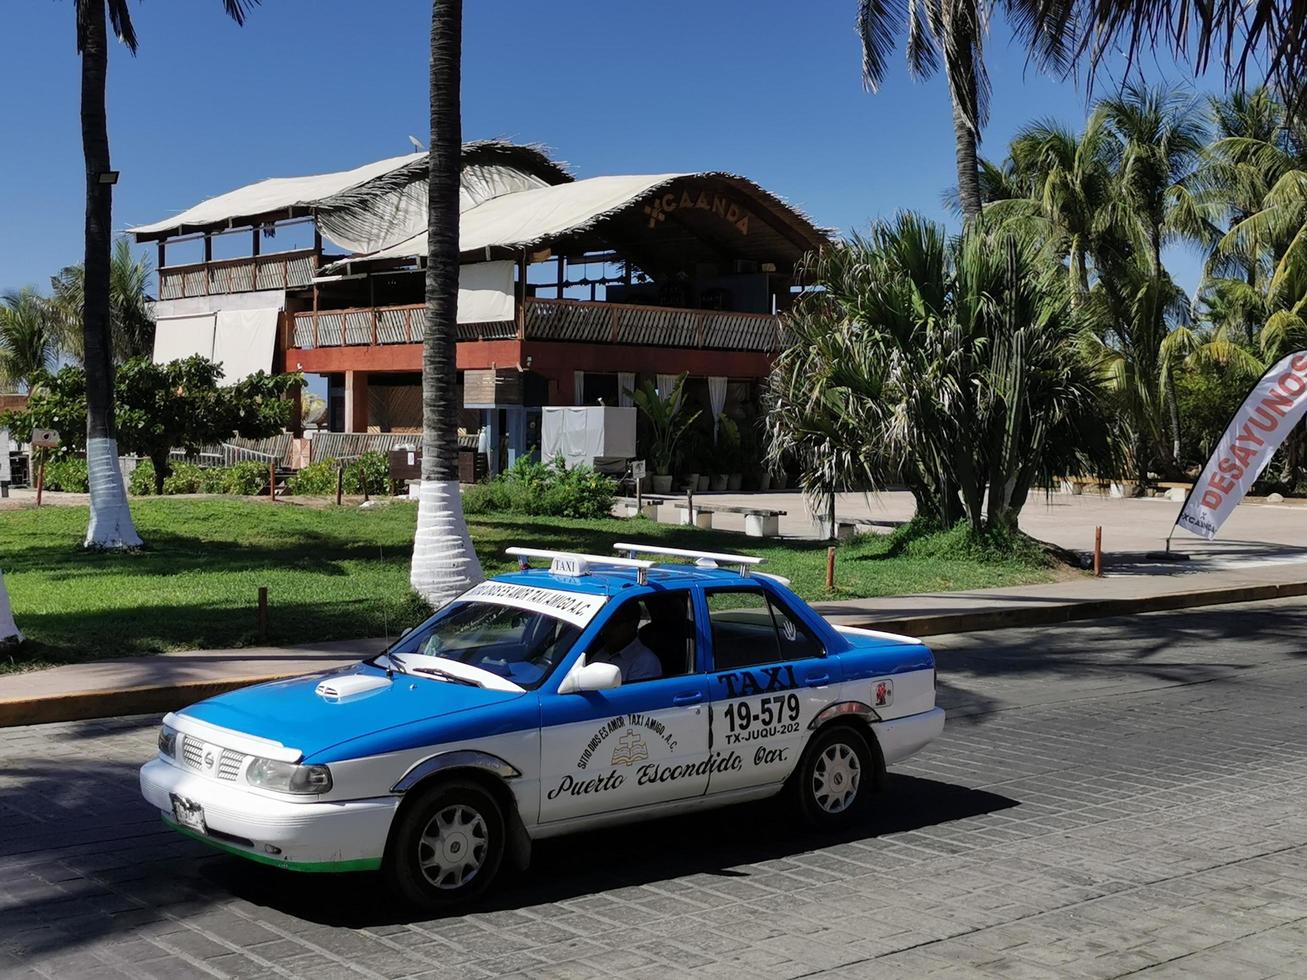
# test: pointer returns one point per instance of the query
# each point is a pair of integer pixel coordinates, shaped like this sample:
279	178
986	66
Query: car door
642	743
769	677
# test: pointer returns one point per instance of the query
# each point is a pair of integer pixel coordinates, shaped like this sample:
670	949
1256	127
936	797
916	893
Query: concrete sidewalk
161	683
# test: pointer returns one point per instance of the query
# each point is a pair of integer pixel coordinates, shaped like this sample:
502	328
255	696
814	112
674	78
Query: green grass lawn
340	572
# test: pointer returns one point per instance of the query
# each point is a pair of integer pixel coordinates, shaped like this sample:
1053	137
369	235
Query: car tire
446	846
836	778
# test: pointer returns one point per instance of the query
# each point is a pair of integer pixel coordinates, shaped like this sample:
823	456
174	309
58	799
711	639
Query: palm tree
958	28
1160	135
950	364
111	521
444	561
1269	35
1061	186
29	337
131	325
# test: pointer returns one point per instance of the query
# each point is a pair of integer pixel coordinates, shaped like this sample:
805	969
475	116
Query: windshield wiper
445	675
393	662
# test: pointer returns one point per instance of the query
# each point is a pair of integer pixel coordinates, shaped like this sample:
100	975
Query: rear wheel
446	846
835	780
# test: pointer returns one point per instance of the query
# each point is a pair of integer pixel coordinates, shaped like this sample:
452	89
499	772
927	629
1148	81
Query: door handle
694	697
815	680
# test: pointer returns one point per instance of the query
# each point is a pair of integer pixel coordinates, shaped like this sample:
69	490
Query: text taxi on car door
594	691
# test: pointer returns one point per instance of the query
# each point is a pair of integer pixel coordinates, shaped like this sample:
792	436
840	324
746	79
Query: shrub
141	482
247	479
315	480
543	490
922	537
487	498
184	478
371	470
67	474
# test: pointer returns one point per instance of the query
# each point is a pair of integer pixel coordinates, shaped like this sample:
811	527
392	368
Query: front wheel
446	846
835	779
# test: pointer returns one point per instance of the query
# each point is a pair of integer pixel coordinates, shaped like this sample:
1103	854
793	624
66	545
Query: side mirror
591	677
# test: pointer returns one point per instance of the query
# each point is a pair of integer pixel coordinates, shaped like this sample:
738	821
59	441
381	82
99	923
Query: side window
797	642
743	633
648	638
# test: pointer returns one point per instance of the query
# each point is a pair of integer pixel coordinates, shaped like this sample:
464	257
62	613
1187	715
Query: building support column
356	401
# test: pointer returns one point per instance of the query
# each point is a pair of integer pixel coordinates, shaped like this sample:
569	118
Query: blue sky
766	88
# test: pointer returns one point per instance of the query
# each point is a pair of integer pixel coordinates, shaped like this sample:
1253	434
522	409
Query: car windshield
520	645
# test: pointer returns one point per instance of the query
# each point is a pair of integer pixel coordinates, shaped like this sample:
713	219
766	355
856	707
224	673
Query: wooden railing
371	326
280	270
549	319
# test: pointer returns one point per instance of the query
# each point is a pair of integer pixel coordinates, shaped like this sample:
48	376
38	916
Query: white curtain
578	387
625	385
666	382
179	337
243	342
716	401
485	292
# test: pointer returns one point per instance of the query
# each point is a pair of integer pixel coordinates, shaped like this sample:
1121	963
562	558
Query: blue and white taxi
593	691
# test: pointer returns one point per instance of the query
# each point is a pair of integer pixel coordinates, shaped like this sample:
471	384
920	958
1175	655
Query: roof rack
744	561
575	563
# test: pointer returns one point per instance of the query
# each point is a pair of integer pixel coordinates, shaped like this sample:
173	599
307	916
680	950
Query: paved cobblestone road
1120	797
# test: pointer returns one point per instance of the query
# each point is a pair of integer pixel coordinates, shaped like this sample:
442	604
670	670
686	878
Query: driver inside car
621	646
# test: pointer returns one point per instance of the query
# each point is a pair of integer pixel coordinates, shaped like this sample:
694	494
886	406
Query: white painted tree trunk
9	632
444	562
111	519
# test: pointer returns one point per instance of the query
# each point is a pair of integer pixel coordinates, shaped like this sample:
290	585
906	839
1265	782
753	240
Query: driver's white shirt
635	660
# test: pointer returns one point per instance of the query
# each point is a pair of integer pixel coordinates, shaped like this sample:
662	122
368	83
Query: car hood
293	713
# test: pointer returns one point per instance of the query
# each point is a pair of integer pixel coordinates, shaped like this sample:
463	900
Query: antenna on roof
744	561
417	144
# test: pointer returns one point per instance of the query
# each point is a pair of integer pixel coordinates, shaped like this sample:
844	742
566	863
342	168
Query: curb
85	705
1015	618
169	697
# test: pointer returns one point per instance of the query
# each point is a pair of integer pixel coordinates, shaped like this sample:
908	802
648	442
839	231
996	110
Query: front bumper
906	736
345	836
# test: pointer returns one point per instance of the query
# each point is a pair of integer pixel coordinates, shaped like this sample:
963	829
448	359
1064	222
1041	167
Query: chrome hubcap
836	778
452	847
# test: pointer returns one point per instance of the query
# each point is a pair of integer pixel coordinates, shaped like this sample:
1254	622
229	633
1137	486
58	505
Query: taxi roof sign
575	564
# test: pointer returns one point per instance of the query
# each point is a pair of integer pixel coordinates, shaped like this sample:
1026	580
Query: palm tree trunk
444	561
111	519
963	73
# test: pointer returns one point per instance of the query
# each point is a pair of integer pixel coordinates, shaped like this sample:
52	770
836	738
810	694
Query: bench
759	522
646	504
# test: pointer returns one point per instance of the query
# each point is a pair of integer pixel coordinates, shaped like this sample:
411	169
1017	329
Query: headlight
285	777
168	742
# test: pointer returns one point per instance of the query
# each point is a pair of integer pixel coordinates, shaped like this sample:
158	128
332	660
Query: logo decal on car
630	748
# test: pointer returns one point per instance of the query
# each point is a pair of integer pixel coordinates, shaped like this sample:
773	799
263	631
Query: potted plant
694	452
668	422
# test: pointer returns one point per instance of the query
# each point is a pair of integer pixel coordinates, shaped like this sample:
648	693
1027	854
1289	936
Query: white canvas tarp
534	215
276	194
586	435
241	340
180	337
485	292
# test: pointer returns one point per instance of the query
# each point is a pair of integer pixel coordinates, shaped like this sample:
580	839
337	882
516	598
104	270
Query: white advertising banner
1266	417
577	608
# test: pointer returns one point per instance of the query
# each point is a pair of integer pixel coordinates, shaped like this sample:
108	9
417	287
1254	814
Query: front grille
229	766
192	753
